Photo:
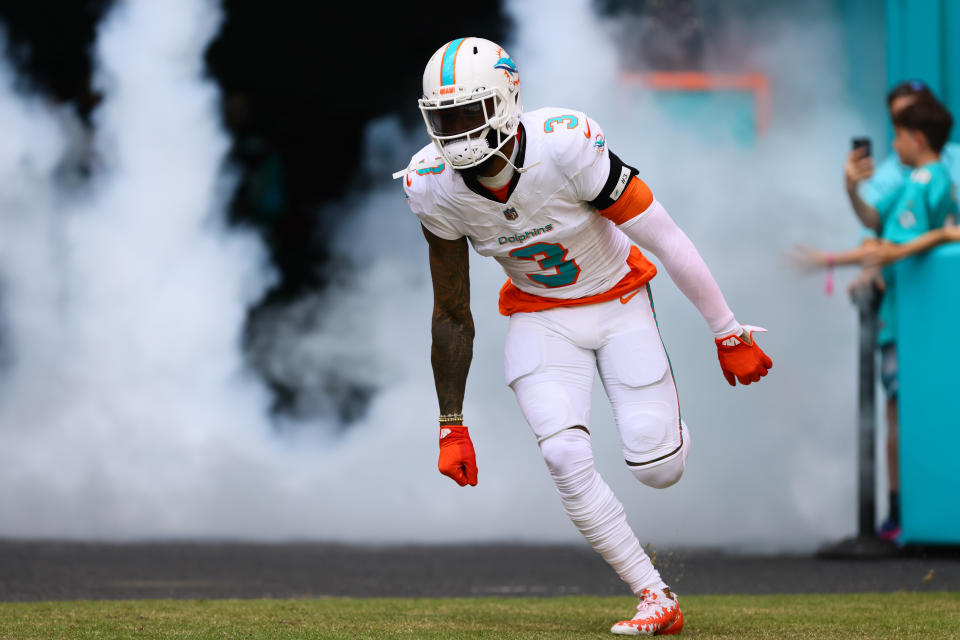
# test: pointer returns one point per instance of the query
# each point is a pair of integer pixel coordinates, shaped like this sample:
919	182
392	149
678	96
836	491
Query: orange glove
457	458
741	361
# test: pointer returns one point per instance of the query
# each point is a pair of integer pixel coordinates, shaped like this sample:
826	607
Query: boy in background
910	215
873	183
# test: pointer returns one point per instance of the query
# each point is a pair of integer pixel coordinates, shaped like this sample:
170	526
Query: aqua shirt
890	174
920	203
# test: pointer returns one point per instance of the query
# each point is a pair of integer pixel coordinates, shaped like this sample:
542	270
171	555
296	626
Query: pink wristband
828	283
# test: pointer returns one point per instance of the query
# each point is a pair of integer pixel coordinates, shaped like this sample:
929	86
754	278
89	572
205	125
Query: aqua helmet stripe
449	58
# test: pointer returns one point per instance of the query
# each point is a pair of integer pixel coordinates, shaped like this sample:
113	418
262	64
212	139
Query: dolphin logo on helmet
506	64
509	69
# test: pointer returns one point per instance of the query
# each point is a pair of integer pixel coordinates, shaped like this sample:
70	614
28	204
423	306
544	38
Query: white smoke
128	412
125	298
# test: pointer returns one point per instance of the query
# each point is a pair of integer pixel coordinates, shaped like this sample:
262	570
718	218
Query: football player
543	194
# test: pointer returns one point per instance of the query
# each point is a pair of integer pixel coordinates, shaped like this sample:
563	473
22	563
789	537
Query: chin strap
497	152
515	167
409	167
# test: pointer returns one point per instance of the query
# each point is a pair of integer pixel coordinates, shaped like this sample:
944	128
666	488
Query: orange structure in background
756	83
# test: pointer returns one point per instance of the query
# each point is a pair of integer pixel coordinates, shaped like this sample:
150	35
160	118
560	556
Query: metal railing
866	298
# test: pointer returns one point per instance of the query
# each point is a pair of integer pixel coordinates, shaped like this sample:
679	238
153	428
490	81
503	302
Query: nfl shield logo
510	213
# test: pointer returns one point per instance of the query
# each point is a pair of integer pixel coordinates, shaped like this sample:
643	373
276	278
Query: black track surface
33	571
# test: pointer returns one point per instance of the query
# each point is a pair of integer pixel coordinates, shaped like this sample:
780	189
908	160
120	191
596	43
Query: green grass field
928	615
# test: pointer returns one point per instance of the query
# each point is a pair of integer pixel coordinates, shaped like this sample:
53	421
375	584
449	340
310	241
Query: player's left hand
741	358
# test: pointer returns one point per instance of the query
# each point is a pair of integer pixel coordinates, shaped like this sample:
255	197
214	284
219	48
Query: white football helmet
471	100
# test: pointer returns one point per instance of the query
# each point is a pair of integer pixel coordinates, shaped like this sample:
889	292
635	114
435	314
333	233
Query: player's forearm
452	324
655	231
450	355
867	214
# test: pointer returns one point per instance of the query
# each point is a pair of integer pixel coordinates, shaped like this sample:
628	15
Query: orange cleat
658	614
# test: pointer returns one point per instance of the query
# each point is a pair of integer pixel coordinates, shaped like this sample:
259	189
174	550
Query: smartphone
858	143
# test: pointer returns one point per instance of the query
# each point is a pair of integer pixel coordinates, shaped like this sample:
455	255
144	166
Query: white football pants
551	358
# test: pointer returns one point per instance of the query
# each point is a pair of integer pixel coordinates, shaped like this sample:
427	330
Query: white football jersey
547	236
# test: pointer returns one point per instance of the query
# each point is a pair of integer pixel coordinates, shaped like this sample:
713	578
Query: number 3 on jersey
553	256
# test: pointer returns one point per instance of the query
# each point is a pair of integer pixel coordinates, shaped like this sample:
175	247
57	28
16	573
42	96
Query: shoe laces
651	603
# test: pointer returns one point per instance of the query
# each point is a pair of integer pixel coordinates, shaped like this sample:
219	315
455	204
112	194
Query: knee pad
586	498
645	409
664	473
648	430
566	453
661	476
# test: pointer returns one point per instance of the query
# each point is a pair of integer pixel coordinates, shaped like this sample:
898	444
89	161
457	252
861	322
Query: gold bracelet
451	418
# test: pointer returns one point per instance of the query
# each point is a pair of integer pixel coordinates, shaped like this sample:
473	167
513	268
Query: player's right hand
457	458
859	167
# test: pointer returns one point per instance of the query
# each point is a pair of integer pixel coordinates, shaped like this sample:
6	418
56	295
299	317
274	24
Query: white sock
595	510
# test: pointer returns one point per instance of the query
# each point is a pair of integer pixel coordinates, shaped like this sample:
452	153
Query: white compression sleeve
595	510
655	231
